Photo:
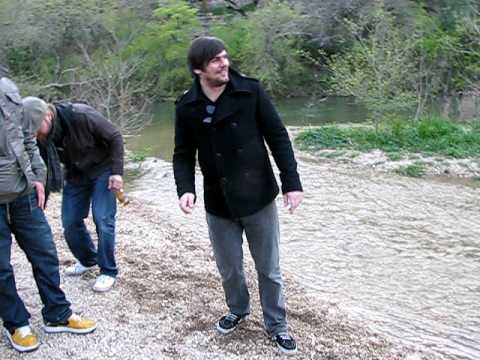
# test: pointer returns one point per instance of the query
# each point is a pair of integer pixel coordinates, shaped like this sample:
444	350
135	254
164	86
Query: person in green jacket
22	199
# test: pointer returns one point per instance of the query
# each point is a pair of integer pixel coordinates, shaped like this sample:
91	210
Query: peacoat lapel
226	107
230	102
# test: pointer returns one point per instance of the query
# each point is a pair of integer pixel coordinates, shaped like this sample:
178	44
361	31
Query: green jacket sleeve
37	166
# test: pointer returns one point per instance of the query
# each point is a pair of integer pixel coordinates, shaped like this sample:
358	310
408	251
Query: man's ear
51	115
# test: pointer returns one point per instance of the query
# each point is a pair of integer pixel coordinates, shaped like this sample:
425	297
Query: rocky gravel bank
168	297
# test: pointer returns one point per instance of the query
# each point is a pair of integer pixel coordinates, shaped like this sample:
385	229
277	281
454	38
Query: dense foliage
393	56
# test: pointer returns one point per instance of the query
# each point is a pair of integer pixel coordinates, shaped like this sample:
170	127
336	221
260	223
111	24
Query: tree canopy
296	47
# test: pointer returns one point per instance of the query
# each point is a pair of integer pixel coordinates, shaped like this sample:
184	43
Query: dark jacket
238	176
88	144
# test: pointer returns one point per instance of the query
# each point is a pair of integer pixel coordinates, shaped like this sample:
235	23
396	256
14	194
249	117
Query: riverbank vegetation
429	136
414	148
394	57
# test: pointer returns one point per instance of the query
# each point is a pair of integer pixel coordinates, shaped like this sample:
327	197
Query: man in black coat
227	117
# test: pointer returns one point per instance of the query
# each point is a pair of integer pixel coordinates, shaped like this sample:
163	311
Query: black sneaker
285	343
229	322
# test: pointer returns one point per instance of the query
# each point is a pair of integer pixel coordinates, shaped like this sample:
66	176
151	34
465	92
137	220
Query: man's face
215	72
45	126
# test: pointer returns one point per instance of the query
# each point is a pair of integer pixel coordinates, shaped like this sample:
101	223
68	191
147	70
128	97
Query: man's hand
115	183
40	190
292	199
187	202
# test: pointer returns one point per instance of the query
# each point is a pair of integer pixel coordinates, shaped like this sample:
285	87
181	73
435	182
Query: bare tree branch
112	90
235	7
63	85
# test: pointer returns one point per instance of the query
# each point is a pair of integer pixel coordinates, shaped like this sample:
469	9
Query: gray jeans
262	233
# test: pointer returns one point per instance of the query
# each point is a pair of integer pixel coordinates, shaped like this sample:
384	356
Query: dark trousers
77	197
27	222
262	232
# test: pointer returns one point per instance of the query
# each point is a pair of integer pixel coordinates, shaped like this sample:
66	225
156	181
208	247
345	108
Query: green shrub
164	44
140	155
264	46
430	136
412	170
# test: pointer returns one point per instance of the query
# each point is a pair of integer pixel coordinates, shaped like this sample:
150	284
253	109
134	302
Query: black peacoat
229	137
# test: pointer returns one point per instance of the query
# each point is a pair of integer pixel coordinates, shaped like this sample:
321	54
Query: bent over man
91	149
227	118
22	176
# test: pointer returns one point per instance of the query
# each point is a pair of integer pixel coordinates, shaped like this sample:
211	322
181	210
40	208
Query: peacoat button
234	125
219	155
240	150
223	180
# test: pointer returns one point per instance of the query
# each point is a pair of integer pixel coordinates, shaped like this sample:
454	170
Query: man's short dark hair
202	50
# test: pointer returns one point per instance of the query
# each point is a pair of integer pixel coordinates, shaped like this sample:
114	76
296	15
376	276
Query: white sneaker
103	283
78	269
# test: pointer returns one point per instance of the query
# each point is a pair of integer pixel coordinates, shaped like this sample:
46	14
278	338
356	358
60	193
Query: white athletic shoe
103	283
77	269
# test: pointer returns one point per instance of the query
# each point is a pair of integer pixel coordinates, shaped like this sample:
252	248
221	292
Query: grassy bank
430	136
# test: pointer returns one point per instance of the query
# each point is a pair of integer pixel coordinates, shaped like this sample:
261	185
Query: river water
157	139
400	255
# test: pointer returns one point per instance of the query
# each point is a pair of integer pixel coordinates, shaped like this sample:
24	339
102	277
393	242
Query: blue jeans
27	222
77	198
262	233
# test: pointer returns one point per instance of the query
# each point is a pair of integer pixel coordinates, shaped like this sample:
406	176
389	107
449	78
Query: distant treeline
390	54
